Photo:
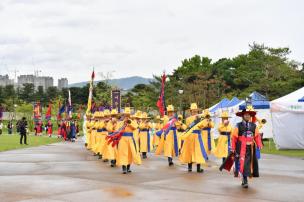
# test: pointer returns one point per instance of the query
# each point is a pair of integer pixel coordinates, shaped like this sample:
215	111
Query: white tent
288	120
232	106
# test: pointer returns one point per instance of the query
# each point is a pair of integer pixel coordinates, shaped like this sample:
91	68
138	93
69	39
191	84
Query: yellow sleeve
221	127
202	124
133	125
184	127
142	126
109	127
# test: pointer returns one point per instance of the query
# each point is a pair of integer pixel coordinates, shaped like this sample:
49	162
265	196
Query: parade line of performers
125	139
67	129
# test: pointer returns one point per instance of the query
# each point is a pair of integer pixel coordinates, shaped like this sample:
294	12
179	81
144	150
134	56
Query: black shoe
128	169
106	160
124	169
144	155
245	183
189	167
100	157
170	161
199	169
113	163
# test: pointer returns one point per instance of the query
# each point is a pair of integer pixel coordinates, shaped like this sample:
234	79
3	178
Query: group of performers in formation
67	129
124	138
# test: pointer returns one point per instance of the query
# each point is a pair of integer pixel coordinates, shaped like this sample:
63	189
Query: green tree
27	92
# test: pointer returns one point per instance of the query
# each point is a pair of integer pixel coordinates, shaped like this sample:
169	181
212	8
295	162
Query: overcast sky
66	38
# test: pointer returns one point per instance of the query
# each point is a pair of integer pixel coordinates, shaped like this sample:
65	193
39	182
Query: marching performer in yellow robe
137	119
193	150
99	135
158	126
224	141
180	127
112	125
88	130
127	150
206	125
94	124
169	141
145	143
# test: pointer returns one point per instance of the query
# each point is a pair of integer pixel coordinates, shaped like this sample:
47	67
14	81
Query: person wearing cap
88	126
181	128
224	140
127	150
169	140
245	139
193	150
112	125
206	125
94	130
100	135
137	118
145	143
157	127
49	127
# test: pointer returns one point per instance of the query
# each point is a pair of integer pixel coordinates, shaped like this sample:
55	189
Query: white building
37	81
5	80
63	83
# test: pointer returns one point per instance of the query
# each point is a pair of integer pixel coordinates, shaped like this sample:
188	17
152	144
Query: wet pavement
68	172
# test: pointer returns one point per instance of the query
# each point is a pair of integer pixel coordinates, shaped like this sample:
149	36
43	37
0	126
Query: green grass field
269	148
10	142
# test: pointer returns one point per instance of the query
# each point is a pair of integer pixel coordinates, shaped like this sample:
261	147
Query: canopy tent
258	101
219	105
288	120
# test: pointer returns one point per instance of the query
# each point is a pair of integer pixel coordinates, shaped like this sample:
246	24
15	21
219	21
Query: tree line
198	79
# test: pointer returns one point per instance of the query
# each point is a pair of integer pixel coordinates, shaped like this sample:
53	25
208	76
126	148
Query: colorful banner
116	100
48	114
37	111
89	106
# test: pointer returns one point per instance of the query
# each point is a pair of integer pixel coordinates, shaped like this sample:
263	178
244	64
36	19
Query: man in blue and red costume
245	140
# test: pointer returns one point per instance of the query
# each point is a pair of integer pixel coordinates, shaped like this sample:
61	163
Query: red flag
48	114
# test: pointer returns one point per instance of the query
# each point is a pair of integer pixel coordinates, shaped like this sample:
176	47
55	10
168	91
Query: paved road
68	172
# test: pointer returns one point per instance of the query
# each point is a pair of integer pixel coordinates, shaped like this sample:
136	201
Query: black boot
124	169
199	169
128	168
189	167
245	182
144	154
113	163
170	161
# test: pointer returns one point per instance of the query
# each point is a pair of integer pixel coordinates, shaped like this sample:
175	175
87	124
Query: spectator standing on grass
1	127
10	127
23	130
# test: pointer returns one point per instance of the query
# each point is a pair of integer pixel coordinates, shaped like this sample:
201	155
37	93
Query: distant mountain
123	83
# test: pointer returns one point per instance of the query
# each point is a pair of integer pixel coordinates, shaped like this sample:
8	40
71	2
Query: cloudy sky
66	38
